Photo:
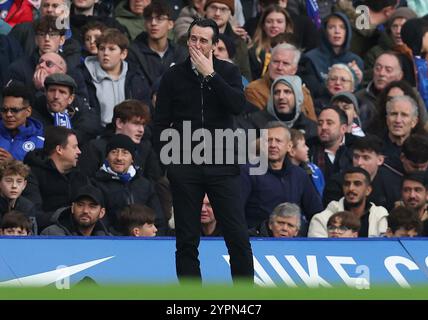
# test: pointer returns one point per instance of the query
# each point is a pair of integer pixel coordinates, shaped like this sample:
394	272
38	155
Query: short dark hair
114	36
93	25
56	136
415	148
135	215
347	219
369	142
12	167
379	5
353	170
403	217
128	109
205	23
158	7
343	118
18	90
418	176
46	24
15	219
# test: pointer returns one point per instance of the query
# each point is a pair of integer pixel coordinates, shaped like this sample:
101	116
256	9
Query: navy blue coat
260	194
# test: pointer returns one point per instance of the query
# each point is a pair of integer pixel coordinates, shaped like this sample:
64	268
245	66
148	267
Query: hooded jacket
377	220
29	137
131	85
134	23
65	226
150	62
257	93
316	62
297	119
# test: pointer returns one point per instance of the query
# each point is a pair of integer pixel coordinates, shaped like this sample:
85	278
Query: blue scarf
124	177
62	120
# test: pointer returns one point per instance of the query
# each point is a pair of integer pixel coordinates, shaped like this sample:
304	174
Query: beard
349	205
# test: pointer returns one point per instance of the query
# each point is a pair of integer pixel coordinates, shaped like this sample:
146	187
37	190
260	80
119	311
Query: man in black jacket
152	50
54	176
84	216
204	92
330	150
367	154
58	107
123	184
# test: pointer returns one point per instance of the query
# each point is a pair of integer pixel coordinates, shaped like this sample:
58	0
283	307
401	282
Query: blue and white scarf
124	177
62	120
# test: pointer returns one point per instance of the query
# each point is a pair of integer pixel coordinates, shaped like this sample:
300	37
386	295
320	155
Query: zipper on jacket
202	117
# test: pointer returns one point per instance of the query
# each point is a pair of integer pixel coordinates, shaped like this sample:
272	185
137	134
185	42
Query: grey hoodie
109	92
295	83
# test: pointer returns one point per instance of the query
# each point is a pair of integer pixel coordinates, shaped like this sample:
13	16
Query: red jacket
20	11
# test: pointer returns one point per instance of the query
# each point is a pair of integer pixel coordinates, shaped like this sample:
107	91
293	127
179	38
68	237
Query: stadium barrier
359	263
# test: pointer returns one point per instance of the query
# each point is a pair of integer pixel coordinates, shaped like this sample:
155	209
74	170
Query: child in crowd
298	155
137	220
349	103
13	180
108	77
90	33
14	223
343	224
403	222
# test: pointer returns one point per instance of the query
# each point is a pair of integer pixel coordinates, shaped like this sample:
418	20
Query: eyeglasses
51	34
13	110
158	19
214	8
340	79
50	63
340	229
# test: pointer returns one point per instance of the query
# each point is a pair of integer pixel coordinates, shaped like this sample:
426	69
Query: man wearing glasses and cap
19	133
84	216
58	107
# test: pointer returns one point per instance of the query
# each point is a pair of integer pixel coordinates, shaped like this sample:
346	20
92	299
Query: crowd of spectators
344	107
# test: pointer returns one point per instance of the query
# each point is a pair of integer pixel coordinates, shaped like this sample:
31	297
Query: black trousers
189	183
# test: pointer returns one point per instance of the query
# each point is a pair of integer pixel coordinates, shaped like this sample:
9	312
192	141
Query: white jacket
377	220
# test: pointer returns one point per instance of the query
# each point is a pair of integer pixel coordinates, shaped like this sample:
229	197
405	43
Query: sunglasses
50	63
13	110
